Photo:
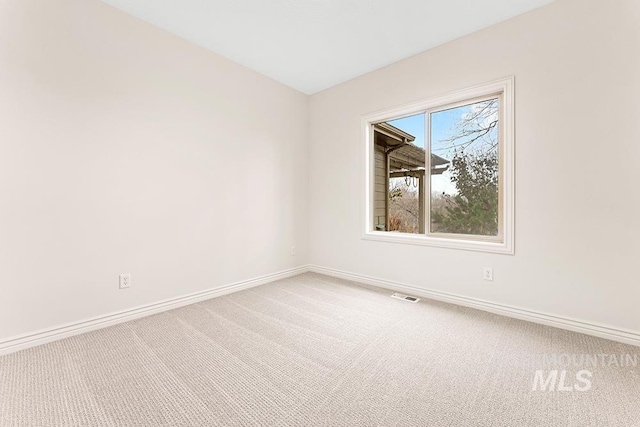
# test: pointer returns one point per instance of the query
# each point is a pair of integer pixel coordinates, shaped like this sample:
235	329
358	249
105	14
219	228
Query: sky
443	126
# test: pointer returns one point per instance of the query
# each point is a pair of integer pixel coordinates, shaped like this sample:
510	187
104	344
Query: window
465	141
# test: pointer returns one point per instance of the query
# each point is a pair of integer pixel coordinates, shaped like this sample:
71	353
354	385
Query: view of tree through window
464	175
468	201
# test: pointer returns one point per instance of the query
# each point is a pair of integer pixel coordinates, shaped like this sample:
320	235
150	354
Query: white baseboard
33	339
588	328
10	345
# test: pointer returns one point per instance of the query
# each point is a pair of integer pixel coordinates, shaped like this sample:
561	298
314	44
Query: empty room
217	213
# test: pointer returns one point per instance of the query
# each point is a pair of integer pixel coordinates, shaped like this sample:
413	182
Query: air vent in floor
405	297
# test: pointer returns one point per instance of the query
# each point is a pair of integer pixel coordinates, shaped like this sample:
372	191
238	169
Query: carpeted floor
317	351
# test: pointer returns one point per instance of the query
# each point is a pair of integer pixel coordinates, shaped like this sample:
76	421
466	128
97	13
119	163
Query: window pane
399	175
465	169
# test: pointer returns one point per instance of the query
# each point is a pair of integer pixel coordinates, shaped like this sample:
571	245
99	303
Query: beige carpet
315	351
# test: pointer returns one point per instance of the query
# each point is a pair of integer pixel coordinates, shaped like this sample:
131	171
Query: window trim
505	87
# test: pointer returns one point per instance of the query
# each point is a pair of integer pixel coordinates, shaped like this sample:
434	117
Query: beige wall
577	69
126	149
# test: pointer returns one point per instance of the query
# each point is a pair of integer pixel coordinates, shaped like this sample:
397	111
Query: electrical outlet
125	280
293	250
488	273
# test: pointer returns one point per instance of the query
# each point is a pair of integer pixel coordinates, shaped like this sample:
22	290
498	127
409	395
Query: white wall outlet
487	273
293	250
125	280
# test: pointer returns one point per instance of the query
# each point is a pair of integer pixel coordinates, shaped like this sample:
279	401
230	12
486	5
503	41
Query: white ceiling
311	45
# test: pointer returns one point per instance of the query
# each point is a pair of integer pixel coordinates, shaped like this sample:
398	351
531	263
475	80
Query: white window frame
504	243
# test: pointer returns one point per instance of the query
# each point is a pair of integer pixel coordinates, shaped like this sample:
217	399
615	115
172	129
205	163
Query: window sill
422	240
